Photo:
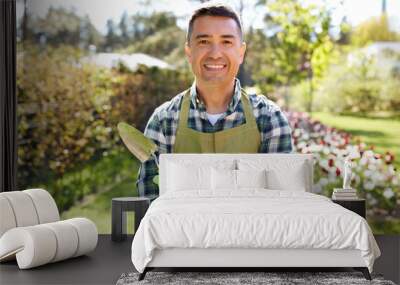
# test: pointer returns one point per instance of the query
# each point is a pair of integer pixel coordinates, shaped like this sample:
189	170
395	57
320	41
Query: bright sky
100	11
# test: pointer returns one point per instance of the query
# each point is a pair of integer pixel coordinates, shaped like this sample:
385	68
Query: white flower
315	148
395	180
391	169
317	157
369	185
371	166
368	153
340	153
363	160
354	153
376	177
388	193
368	173
305	150
301	145
305	136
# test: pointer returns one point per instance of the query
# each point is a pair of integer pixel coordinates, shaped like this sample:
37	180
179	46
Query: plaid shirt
163	123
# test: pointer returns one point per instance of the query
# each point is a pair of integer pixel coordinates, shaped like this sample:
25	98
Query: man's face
215	50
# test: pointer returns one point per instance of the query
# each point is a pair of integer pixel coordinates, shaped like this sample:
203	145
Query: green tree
64	27
124	28
112	39
146	25
158	35
25	31
373	30
300	46
258	67
88	33
166	44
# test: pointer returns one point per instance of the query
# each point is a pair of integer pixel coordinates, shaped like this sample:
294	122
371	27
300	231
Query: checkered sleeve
275	130
149	169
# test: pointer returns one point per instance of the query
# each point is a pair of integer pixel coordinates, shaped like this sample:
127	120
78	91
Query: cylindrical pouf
87	234
67	240
45	205
26	208
23	208
34	245
41	244
7	218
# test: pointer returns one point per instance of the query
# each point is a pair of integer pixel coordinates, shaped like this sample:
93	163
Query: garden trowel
139	145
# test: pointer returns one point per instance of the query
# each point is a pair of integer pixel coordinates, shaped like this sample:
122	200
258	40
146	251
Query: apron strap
248	110
184	112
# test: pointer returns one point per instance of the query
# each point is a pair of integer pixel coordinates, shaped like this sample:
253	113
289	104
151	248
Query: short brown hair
216	10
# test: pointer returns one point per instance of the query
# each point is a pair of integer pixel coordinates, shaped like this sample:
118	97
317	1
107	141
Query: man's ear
188	52
242	52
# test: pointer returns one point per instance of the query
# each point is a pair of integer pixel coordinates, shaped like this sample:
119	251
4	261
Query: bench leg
143	274
364	271
118	224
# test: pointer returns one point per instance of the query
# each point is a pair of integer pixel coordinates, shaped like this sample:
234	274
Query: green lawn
97	207
391	227
111	176
382	133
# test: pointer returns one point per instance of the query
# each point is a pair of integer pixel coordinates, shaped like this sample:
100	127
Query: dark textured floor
252	278
106	264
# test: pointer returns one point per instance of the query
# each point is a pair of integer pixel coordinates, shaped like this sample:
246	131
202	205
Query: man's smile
214	67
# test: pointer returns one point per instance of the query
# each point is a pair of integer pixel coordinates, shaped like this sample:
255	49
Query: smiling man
214	115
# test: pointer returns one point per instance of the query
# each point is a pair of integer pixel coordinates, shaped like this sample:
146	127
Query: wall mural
89	81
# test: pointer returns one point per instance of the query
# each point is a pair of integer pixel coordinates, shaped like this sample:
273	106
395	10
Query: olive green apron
242	139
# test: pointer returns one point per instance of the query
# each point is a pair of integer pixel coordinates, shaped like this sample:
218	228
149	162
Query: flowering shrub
374	175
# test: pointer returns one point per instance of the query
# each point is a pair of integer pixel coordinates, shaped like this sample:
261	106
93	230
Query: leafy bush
358	85
299	98
61	111
62	116
390	90
138	93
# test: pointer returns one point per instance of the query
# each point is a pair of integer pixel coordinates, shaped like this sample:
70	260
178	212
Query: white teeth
214	66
